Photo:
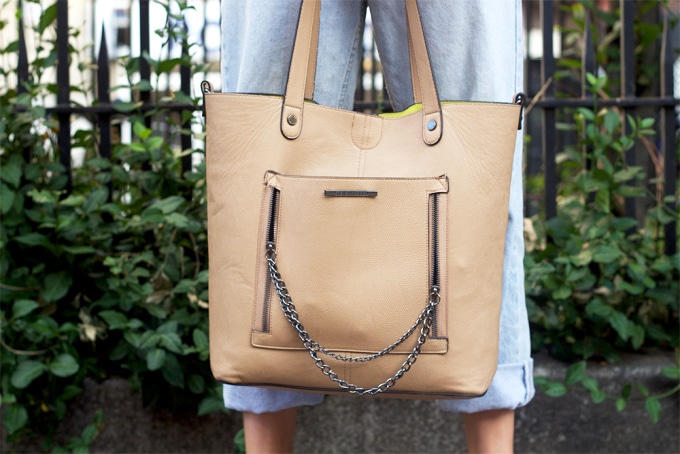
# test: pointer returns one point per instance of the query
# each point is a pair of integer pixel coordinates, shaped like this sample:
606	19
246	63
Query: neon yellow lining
411	109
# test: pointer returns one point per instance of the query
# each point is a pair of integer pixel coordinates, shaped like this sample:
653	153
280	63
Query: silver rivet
292	120
431	125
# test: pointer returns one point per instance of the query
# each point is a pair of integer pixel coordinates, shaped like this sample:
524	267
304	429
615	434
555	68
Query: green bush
108	278
598	282
601	284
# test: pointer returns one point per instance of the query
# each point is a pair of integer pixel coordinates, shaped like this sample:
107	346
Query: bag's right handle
303	69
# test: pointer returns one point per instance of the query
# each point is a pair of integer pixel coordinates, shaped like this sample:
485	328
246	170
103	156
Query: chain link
425	321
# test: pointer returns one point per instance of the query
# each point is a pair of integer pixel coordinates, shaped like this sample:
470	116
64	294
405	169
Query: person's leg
257	44
476	54
271	432
268	415
490	431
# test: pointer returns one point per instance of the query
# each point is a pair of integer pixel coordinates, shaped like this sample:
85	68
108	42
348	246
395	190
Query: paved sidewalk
570	424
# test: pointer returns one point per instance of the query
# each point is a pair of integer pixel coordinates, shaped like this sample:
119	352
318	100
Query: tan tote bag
345	246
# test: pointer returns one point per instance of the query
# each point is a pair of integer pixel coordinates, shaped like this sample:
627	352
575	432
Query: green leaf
210	405
200	339
621	403
169	327
79	250
23	307
47	18
152	216
126	107
70	392
590	384
154	143
155	359
43	196
598	308
141	131
132	338
33	239
646	123
598	396
171	342
11	172
628	174
624	224
563	292
672	372
623	326
550	387
653	407
583	258
168	204
64	365
196	384
114	319
143	85
172	372
643	389
606	254
137	146
611	121
26	372
586	113
6	198
178	220
575	373
168	65
602	200
96	199
14	417
56	286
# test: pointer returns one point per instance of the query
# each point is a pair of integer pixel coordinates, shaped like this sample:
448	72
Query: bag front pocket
360	258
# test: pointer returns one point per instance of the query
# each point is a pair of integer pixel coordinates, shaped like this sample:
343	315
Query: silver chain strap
425	320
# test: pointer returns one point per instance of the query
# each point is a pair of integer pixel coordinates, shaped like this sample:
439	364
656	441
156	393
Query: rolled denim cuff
511	387
263	400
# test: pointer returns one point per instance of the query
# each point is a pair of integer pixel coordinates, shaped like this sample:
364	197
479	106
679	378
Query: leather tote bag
356	253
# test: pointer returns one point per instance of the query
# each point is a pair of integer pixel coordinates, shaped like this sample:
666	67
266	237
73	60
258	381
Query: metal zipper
271	238
434	277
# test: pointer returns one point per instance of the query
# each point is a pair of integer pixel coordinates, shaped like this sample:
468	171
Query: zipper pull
206	89
520	99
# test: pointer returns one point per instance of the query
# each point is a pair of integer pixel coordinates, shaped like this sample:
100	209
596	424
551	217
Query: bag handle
300	83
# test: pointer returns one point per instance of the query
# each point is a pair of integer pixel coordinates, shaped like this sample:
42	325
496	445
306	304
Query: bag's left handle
206	89
302	69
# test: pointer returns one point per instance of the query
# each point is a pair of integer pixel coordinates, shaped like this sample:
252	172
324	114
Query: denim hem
512	387
264	400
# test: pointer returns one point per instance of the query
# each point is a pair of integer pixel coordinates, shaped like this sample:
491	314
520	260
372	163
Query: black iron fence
546	99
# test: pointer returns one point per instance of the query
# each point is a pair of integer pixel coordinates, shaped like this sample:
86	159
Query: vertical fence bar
144	46
64	90
104	99
185	86
588	65
668	133
22	63
628	82
22	71
549	130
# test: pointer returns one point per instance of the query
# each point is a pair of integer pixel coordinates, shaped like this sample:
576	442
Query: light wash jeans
475	49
